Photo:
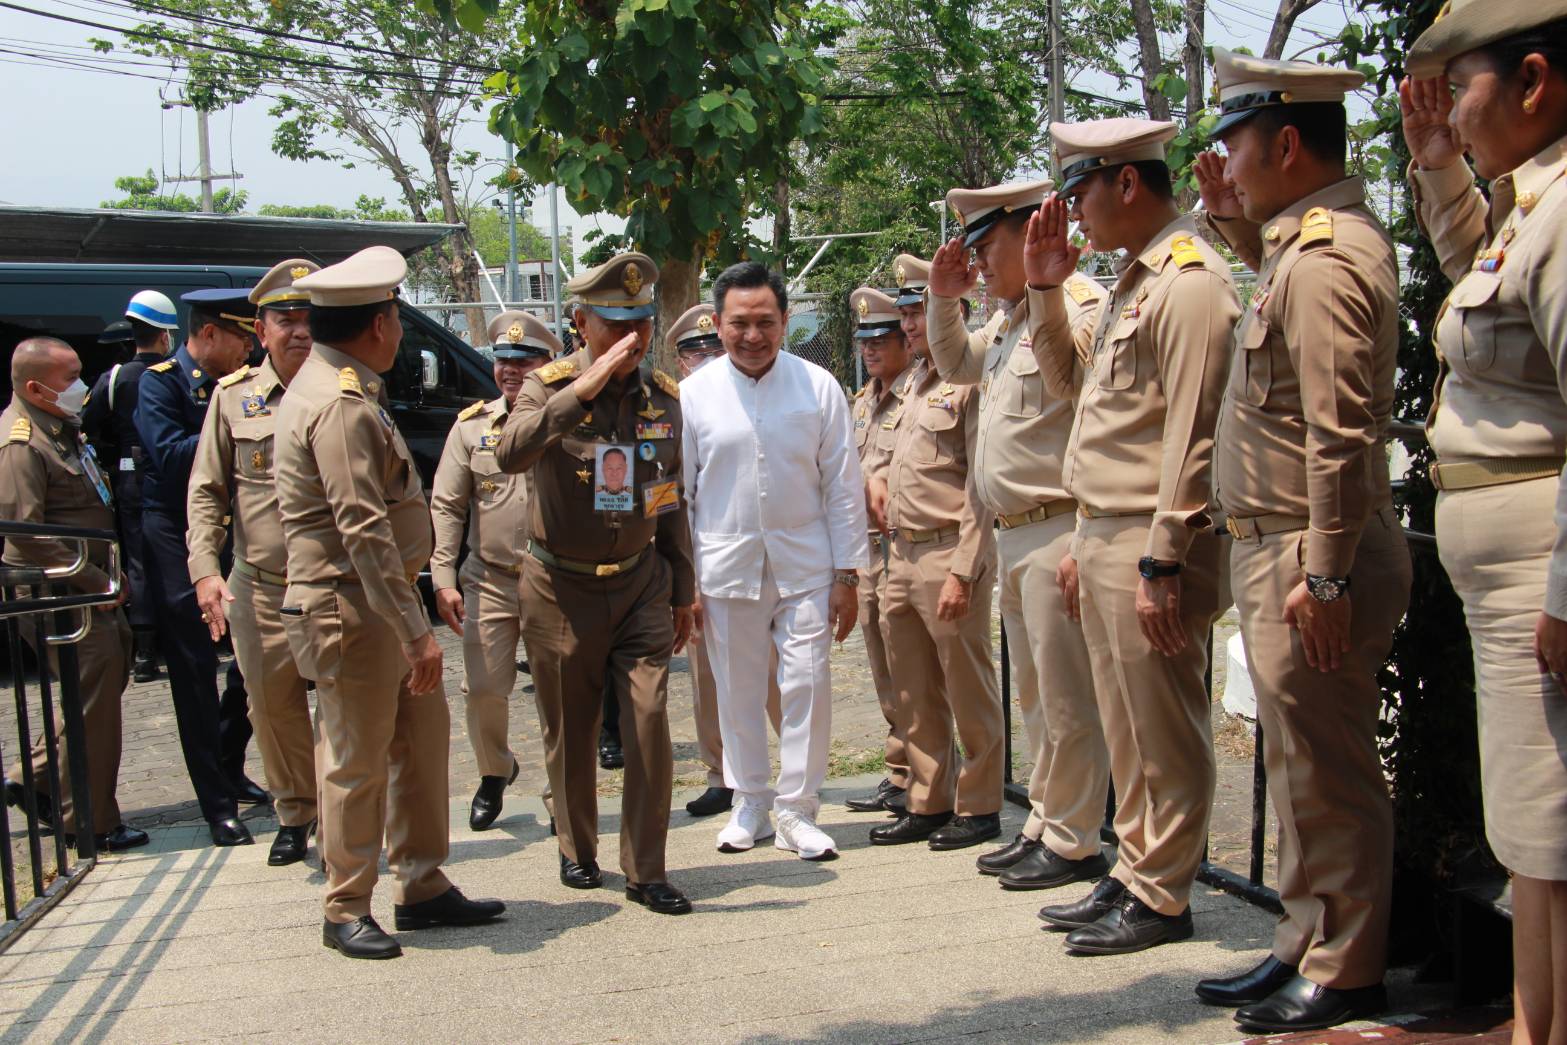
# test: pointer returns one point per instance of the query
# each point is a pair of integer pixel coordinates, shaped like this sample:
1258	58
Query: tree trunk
1283	23
1194	66
1149	58
463	267
781	222
679	283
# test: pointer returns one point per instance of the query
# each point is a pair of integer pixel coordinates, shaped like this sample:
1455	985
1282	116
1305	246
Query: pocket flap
1474	290
1255	334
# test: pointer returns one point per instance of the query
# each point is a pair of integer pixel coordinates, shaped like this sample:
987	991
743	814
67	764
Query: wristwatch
1151	568
1326	589
850	579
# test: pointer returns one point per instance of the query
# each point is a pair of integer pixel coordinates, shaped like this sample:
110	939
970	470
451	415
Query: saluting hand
951	275
592	380
449	604
424	657
1049	256
1323	627
211	594
1425	106
1217	191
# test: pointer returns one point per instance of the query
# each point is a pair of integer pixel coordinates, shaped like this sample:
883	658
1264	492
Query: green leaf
713	101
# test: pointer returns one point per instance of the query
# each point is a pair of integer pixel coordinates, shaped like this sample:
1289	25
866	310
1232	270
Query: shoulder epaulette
469	410
21	431
1316	226
1184	252
864	390
1081	292
162	368
234	378
670	386
348	381
549	373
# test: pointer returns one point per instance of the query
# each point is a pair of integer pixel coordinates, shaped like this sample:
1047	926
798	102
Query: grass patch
842	761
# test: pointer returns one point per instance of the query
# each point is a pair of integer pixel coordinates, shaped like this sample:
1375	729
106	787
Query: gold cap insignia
514	333
865	307
631	279
298	272
704	323
902	274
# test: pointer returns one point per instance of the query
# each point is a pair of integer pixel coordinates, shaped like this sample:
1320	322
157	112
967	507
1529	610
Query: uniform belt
1094	513
1469	475
509	570
1256	527
1038	513
926	536
256	573
589	569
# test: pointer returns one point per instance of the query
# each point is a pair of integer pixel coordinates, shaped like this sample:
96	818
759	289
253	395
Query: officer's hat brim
1231	120
507	351
623	313
910	298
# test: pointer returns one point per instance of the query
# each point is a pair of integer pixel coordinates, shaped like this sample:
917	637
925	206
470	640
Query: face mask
71	399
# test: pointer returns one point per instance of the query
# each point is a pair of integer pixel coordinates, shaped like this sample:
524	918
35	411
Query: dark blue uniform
213	733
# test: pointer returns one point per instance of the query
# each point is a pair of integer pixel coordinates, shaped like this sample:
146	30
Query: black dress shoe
911	827
16	798
611	754
289	846
1088	910
249	793
1303	1005
580	876
965	831
145	667
229	832
121	838
486	804
552	827
1045	868
450	908
713	800
1249	987
361	938
1007	855
659	897
876	801
522	666
1129	926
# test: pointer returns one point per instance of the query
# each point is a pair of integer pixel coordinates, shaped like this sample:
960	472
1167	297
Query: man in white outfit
778	525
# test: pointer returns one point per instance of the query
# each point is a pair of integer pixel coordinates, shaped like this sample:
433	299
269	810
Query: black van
435	376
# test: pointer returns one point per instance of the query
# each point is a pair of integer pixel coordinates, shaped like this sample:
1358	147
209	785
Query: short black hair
745	275
1323	127
335	325
145	334
200	316
1153	174
614	450
1549	40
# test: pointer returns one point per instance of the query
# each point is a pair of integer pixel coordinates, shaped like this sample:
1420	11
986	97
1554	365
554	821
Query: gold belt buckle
1235	531
606	569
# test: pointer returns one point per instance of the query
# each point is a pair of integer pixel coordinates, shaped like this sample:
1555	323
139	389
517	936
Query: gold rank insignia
163	367
21	430
1316	226
348	381
670	386
1079	290
632	280
257	459
469	410
1185	253
582	476
549	373
1272	235
298	272
235	377
651	413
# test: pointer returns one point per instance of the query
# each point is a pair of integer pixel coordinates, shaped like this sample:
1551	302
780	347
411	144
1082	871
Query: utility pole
560	325
1057	74
203	159
513	291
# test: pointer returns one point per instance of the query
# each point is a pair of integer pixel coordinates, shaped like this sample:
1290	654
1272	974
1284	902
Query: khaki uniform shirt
1310	393
48	475
1022	431
1502	335
1152	380
876	410
352	505
472	493
232	475
550	431
929	483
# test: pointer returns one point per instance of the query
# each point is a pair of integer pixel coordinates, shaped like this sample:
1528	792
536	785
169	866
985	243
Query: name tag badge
95	475
659	497
127	464
650	430
611	474
489	441
254	406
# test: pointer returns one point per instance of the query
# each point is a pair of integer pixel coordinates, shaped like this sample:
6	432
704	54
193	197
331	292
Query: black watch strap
1152	568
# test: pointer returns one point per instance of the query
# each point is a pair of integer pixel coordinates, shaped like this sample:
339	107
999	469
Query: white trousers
741	635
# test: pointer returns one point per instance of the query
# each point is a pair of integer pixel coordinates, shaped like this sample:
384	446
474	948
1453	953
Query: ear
1286	147
1533	72
1128	180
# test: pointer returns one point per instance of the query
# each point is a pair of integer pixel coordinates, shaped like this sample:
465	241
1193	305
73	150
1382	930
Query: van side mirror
432	370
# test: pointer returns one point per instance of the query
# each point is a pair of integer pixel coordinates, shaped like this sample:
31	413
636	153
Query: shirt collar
1524	186
1285	225
195	375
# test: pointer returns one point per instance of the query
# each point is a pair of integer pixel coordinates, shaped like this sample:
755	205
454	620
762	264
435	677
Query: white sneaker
748	824
798	833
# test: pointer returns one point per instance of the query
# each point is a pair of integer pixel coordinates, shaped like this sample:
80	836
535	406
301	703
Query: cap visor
512	352
909	299
291	305
635	312
1230	120
867	333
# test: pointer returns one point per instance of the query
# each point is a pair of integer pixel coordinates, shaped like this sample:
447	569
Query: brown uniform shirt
1502	335
471	493
48	475
550	431
1152	380
876	409
929	483
1021	437
232	475
1310	392
352	505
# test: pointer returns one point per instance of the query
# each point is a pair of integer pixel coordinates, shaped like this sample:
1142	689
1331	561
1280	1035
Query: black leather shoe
1302	1005
361	938
580	876
611	754
121	838
1249	987
522	666
911	827
1129	926
229	832
15	797
144	668
965	831
1088	910
876	801
450	908
289	846
486	804
659	897
713	800
249	793
552	827
1008	855
1045	868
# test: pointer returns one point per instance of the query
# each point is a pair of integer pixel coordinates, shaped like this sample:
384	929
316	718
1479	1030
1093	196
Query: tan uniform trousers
103	658
942	671
1055	691
279	705
382	753
704	709
582	633
1319	734
492	605
872	606
1155	708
